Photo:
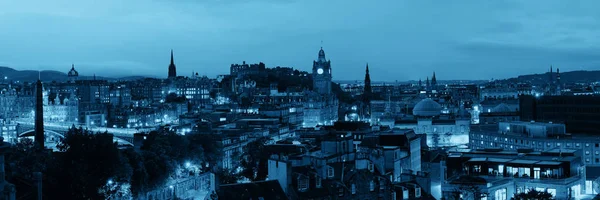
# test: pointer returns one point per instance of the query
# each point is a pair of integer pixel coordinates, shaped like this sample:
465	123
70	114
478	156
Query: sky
400	39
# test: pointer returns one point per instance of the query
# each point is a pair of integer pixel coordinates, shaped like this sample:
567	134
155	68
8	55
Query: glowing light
110	182
188	164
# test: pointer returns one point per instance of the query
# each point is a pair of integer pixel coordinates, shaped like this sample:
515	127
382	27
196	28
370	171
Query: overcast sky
400	39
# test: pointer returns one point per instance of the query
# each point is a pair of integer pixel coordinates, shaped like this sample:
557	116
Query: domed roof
427	108
73	72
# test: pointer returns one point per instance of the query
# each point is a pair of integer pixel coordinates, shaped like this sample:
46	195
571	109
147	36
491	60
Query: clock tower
322	74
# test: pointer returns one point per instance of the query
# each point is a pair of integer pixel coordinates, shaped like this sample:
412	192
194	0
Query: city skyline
470	39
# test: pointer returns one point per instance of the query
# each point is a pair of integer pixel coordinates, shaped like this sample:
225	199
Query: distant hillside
565	77
47	75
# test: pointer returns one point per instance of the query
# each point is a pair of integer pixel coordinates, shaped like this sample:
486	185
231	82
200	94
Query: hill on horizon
48	75
578	76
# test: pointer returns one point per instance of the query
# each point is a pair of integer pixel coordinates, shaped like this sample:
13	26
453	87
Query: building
580	114
321	105
172	68
322	75
120	95
497	174
367	96
72	74
8	131
196	90
237	70
450	129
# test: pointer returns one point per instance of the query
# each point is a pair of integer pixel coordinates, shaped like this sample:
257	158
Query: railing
66	126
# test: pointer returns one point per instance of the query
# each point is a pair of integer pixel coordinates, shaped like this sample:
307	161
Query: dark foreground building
580	114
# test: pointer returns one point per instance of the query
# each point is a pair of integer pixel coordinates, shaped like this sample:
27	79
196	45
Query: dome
73	72
427	108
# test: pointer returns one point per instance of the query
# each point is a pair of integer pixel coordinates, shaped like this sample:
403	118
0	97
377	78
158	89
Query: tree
255	159
92	161
533	194
468	187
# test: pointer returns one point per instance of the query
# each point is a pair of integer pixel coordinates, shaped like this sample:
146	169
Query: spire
72	66
172	68
39	75
172	62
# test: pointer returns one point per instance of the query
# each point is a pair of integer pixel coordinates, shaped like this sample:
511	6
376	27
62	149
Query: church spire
172	62
172	68
367	94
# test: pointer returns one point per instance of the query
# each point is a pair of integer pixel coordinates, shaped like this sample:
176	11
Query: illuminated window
330	172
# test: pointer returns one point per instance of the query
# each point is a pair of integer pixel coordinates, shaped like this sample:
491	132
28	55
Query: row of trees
91	166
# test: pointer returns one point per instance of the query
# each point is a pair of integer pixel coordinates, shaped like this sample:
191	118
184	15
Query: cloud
401	39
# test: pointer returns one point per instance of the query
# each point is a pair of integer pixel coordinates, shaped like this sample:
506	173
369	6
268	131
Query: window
477	168
587	144
318	182
501	194
417	192
302	183
372	186
370	166
330	172
536	173
353	188
597	145
587	152
587	160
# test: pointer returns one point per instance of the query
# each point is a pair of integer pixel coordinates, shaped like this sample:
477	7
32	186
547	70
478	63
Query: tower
322	74
427	85
73	74
39	116
172	69
558	76
558	86
433	81
367	94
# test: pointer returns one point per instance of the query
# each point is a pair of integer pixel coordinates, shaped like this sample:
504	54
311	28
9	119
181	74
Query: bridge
58	130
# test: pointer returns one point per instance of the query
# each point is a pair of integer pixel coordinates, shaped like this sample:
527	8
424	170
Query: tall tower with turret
321	73
367	94
433	82
172	68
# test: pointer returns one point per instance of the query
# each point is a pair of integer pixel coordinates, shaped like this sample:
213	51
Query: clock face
320	71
